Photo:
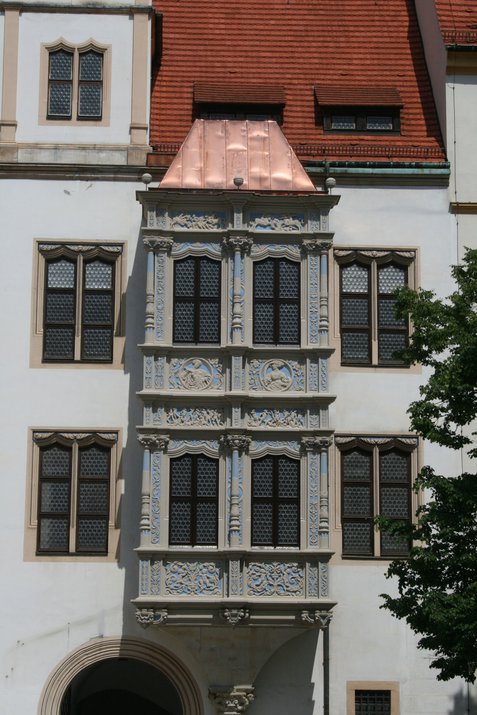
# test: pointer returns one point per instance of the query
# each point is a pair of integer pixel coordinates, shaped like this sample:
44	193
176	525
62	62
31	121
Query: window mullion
79	305
74	496
193	503
376	494
373	308
197	300
276	302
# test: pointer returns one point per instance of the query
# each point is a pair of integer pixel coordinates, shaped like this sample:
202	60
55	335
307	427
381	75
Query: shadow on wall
465	701
292	679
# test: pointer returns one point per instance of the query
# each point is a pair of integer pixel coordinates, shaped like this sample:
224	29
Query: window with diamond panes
75	84
372	702
275	501
276	302
90	85
197	300
394	498
60	84
193	510
79	309
374	481
72	477
371	334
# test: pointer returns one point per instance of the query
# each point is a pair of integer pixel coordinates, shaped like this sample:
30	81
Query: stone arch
106	648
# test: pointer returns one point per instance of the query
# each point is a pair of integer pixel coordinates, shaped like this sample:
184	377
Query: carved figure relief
184	578
276	418
276	375
195	416
277	222
275	579
196	221
195	374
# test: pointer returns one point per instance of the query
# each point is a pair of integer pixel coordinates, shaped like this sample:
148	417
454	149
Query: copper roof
238	93
215	152
329	96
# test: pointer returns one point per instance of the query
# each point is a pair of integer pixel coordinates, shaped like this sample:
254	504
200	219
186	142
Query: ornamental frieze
277	222
195	417
278	418
193	578
199	221
275	579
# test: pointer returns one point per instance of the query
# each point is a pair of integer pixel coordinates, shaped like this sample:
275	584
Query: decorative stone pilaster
157	248
233	700
318	518
317	618
150	442
238	244
237	443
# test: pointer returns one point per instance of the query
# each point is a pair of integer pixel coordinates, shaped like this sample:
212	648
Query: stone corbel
151	617
233	700
317	618
235	615
158	243
316	245
154	442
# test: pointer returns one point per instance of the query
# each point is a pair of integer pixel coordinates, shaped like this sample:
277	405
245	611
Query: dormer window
351	110
251	102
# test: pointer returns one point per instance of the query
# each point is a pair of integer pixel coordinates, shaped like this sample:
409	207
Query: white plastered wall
43	28
461	136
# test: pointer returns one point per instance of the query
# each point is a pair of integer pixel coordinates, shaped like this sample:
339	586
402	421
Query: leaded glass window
275	501
194	491
60	84
90	85
375	480
276	302
371	334
73	498
79	307
197	300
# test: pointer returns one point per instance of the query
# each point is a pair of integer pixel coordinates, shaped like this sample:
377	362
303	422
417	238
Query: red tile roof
298	44
238	93
458	21
358	96
216	152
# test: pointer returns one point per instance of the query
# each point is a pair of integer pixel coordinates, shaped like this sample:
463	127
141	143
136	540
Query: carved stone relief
196	374
277	222
267	579
195	417
193	578
276	375
199	221
277	418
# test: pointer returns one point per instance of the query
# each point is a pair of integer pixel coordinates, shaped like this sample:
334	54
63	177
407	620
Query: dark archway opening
121	686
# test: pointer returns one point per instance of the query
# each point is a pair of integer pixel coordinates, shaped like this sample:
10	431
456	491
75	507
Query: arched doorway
121	686
163	679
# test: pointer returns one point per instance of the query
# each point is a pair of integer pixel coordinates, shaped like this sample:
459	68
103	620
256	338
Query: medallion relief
276	375
196	374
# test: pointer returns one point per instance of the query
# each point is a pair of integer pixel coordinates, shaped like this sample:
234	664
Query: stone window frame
77	250
76	50
373	257
267	255
74	438
388	685
374	445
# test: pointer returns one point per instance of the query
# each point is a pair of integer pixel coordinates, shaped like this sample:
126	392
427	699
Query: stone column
318	519
324	248
324	519
233	700
150	443
237	443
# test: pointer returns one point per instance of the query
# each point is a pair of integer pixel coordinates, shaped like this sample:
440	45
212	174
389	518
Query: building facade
206	210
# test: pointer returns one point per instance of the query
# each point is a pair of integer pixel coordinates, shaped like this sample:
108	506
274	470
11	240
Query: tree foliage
437	584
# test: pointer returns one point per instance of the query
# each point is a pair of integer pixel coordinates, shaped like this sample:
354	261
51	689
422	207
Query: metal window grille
197	287
355	310
394	498
275	501
276	302
357	512
392	332
193	517
372	702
